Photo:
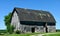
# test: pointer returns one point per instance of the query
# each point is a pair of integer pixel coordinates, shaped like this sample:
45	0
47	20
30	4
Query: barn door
33	30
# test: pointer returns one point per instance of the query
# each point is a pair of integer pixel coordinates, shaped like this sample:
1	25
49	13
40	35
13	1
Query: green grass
26	34
16	35
53	34
29	34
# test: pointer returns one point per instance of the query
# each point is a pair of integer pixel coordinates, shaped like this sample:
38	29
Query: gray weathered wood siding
27	28
15	21
51	28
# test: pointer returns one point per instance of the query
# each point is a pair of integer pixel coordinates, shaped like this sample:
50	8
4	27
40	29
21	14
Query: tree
7	20
11	29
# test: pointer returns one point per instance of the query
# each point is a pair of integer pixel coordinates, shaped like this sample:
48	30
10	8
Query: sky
7	6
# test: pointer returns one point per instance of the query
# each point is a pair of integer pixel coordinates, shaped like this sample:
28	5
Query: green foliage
18	32
58	30
11	29
2	31
8	28
7	19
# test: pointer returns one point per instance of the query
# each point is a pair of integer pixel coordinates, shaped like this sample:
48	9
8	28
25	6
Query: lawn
26	34
29	34
53	34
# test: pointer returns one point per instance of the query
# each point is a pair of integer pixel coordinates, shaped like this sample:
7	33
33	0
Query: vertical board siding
15	21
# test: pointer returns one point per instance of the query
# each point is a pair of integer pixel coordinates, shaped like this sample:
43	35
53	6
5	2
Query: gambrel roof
34	15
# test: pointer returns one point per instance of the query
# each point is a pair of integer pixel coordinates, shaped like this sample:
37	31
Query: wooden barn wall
15	21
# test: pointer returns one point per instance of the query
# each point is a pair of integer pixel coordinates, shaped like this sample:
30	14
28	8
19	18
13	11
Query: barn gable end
15	21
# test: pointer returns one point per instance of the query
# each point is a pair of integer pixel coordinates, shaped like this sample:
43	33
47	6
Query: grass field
29	34
26	34
53	34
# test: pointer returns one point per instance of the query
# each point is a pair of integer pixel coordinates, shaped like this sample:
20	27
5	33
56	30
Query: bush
58	30
18	32
10	29
3	31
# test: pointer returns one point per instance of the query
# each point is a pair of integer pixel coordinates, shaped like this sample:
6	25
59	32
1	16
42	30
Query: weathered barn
28	20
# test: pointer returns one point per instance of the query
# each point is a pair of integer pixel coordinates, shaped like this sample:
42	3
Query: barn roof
34	15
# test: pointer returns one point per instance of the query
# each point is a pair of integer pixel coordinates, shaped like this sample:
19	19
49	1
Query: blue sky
7	6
